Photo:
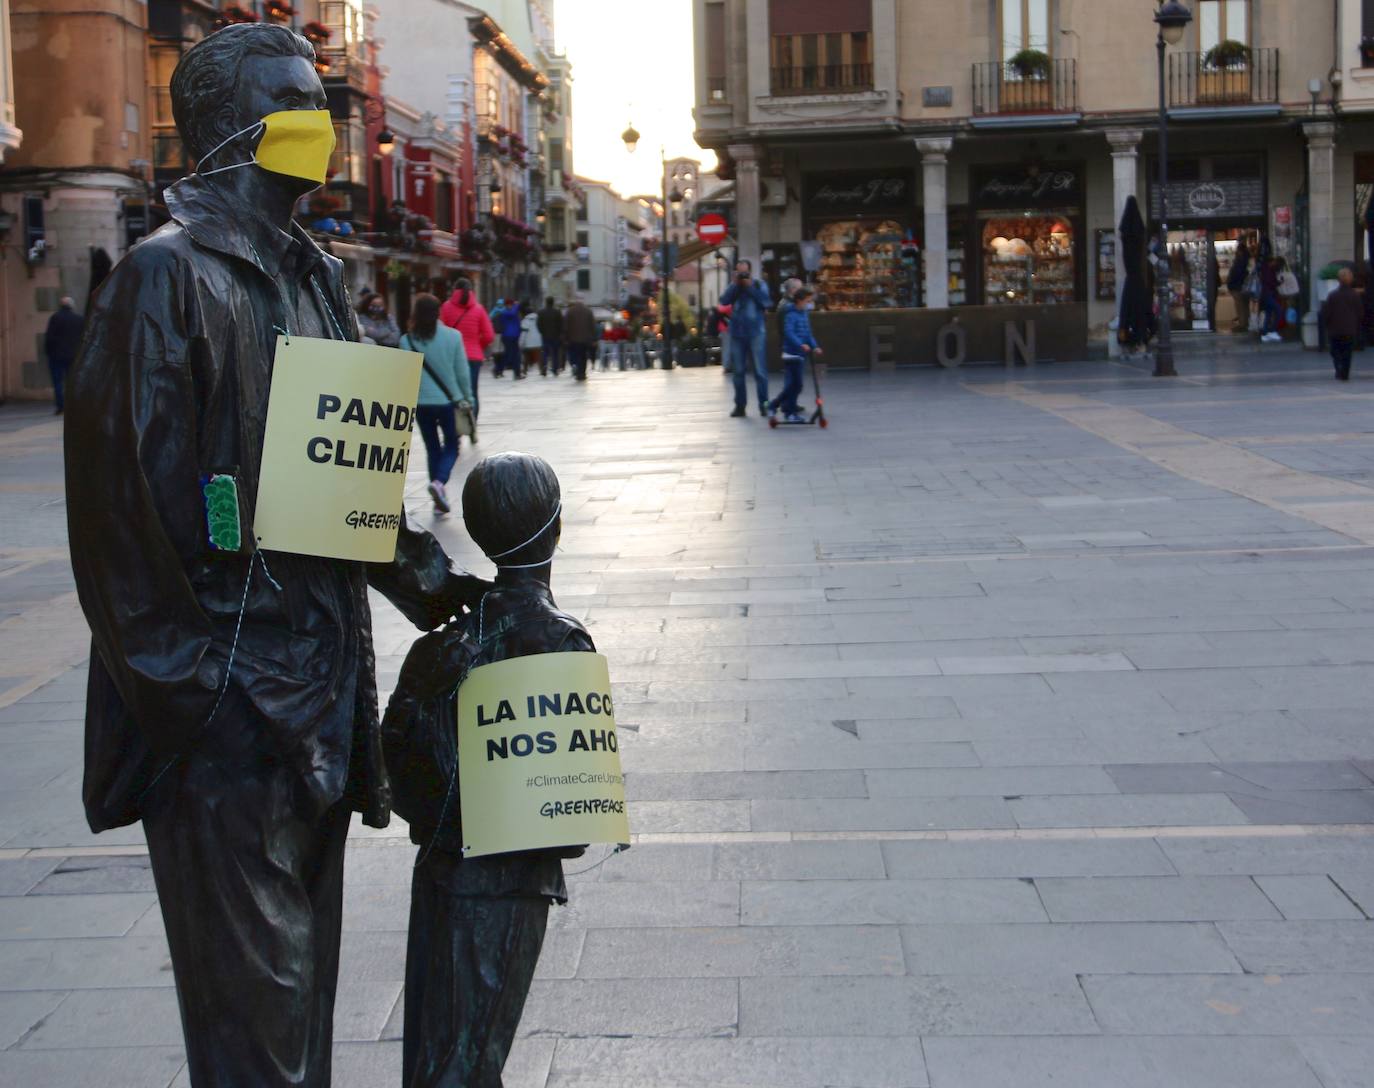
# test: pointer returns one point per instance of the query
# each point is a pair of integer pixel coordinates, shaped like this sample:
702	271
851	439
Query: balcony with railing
1200	81
1004	89
821	79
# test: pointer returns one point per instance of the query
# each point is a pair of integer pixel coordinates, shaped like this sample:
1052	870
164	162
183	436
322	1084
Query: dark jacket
1343	312
551	325
579	325
63	335
420	730
750	304
1240	271
172	383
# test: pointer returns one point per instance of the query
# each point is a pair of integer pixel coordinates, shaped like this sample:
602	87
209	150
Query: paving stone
779	951
119	1067
37	916
1140	1062
75	963
1288	855
743	785
881	814
20	1012
857	755
1153	899
995	782
1098	948
760	1063
84	876
1286	948
675	1007
800	861
1138	810
1357	886
1308	897
1307	1004
1340	1062
19	875
911	859
610	905
926	1006
650	862
888	902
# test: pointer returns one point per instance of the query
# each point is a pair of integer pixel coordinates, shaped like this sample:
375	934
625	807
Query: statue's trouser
469	964
251	896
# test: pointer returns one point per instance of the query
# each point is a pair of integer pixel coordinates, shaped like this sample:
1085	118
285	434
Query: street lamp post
1172	18
631	138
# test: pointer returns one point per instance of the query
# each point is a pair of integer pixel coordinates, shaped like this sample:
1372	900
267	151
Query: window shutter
819	16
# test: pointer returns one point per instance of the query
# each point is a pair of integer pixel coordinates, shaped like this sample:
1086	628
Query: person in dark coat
61	341
476	924
1343	314
551	333
232	699
1235	287
580	333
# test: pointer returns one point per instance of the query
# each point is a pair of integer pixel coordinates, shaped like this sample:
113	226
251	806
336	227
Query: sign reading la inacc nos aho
538	757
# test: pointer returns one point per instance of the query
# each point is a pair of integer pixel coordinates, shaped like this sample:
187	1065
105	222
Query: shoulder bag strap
443	385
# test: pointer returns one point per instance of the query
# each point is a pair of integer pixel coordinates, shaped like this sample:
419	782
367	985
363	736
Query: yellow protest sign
538	758
336	449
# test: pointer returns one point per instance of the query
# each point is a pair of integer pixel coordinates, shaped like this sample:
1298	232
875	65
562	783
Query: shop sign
937	97
858	193
1018	188
1220	198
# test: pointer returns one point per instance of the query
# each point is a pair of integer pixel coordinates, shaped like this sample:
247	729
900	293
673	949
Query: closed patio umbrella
1136	320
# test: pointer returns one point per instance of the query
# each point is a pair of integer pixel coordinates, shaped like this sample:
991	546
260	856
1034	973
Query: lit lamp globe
631	138
386	142
1173	18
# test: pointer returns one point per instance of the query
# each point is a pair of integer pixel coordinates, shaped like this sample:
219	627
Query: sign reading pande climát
336	449
538	758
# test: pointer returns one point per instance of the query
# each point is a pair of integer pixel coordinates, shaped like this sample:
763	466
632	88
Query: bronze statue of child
476	925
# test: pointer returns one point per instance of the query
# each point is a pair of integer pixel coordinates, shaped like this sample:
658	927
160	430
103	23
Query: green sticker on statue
222	512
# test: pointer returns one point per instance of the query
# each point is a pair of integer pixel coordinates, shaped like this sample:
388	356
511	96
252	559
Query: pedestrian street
1013	730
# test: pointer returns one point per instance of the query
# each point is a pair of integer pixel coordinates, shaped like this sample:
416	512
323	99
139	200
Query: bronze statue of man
232	704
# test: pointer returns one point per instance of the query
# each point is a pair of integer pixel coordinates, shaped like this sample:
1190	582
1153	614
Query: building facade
907	155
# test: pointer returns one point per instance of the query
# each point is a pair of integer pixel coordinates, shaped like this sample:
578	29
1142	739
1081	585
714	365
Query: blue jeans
510	355
440	433
741	351
1270	305
475	370
792	384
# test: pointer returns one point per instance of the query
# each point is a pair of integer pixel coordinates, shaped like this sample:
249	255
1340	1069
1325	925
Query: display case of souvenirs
1029	259
862	266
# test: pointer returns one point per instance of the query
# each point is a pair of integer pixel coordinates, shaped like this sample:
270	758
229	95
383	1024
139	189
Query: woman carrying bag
444	407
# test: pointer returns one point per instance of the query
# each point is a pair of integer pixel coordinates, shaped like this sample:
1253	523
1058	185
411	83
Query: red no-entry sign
712	229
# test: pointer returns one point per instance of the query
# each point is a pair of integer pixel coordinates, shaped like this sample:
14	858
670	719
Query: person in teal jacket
445	382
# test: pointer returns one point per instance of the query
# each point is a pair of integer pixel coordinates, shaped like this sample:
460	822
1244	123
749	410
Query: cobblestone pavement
1013	731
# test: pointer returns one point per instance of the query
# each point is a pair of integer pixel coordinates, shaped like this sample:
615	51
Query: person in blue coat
750	302
506	318
798	344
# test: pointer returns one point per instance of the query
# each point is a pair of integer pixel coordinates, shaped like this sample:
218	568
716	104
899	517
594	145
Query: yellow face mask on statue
297	143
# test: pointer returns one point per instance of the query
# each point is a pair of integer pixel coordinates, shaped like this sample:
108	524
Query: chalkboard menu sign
1218	198
1019	188
855	193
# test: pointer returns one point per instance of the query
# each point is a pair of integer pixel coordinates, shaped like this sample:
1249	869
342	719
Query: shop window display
862	266
1028	260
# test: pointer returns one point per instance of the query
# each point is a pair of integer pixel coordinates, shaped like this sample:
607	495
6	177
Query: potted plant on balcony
1029	87
1225	75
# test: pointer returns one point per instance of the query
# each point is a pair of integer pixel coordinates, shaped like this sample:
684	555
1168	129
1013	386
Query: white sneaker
439	494
1271	338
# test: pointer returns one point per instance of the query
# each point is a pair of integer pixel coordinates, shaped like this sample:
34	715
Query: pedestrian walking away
464	313
378	325
230	708
531	343
1343	313
748	298
1269	300
506	317
445	389
551	335
580	333
1235	285
61	341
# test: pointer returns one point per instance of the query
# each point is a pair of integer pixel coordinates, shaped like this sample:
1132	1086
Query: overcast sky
632	61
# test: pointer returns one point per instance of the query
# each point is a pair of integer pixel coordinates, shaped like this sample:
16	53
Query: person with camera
749	300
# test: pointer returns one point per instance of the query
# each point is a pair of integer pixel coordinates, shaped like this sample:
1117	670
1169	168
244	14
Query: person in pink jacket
464	313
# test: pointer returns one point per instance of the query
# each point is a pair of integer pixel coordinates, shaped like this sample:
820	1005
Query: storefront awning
691	252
